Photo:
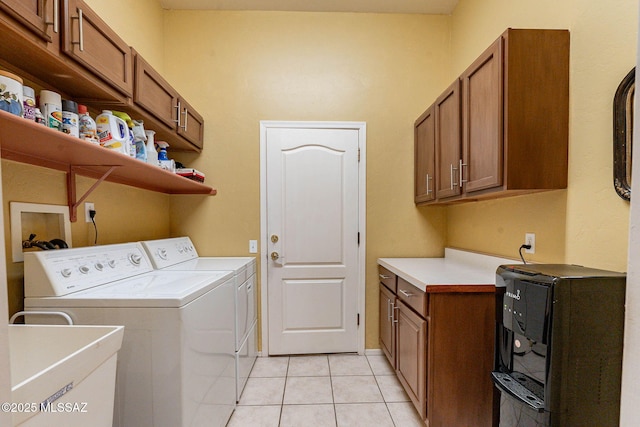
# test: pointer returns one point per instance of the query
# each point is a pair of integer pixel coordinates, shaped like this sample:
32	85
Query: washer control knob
66	272
162	253
84	269
99	266
112	263
135	259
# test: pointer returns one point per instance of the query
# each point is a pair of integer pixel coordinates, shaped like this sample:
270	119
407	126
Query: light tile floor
325	390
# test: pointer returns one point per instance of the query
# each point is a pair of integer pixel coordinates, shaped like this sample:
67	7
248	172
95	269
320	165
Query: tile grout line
386	404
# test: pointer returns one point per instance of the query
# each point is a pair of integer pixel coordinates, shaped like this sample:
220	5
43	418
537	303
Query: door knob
275	256
274	238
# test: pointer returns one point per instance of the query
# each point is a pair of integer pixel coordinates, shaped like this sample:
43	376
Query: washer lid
170	289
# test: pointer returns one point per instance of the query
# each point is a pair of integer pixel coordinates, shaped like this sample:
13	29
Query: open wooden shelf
25	141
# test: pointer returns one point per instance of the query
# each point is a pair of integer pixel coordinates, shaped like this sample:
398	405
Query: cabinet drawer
413	297
387	278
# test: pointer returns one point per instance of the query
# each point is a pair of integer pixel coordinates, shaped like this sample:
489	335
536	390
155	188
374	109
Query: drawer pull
405	293
383	277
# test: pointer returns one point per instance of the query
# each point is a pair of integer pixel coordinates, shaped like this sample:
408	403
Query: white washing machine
180	254
176	367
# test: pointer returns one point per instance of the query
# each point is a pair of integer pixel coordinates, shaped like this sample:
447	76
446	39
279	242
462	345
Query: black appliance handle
505	383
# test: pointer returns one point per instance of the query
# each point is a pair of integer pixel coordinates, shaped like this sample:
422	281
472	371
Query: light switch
253	246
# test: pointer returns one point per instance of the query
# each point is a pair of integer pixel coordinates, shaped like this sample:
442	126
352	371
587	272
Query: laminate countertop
458	271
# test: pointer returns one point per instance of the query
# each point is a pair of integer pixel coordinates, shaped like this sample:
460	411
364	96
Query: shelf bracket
71	190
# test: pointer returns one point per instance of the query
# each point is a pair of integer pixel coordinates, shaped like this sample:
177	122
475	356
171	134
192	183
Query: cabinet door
411	347
153	93
482	121
447	140
191	124
425	151
387	330
90	42
37	16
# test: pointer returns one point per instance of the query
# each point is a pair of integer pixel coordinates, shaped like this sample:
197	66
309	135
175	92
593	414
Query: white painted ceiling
438	7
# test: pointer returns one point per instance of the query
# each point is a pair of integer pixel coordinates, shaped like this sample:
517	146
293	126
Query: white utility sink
66	374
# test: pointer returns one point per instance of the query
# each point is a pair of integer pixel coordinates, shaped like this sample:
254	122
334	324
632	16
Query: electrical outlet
530	239
88	207
253	246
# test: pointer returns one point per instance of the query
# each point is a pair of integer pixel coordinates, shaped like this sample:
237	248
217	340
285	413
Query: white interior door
312	240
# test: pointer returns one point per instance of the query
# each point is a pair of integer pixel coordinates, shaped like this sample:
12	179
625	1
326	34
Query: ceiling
437	7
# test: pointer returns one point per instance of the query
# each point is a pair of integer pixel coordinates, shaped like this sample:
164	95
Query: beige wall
588	223
123	213
238	68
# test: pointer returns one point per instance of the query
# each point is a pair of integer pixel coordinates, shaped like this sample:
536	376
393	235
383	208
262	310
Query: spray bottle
163	159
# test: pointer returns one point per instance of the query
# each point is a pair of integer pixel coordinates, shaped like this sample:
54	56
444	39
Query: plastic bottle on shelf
39	117
113	132
87	125
152	154
163	159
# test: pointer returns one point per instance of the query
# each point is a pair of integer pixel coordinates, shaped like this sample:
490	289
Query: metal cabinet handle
383	277
80	30
389	316
56	16
429	190
178	108
405	293
395	318
186	116
453	182
461	173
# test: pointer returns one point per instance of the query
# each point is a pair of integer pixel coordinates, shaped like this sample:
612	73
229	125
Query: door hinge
358	154
358	238
358	319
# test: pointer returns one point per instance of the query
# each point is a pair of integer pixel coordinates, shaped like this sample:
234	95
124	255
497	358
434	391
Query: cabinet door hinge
358	238
358	154
358	319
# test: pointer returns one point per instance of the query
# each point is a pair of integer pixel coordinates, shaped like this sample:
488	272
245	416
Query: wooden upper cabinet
153	93
514	120
536	109
425	152
190	124
89	41
40	17
482	109
447	142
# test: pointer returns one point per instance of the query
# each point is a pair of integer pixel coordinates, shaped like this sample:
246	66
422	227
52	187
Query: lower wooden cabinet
411	357
442	349
387	326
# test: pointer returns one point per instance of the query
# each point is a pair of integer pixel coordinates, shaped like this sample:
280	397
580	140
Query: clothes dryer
179	254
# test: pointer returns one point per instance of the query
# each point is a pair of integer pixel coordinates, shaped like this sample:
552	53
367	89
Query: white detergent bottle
152	154
113	132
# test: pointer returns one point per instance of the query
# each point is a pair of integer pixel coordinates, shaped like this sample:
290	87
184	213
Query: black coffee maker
559	336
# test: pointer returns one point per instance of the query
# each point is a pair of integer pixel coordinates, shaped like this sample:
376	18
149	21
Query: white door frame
361	127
